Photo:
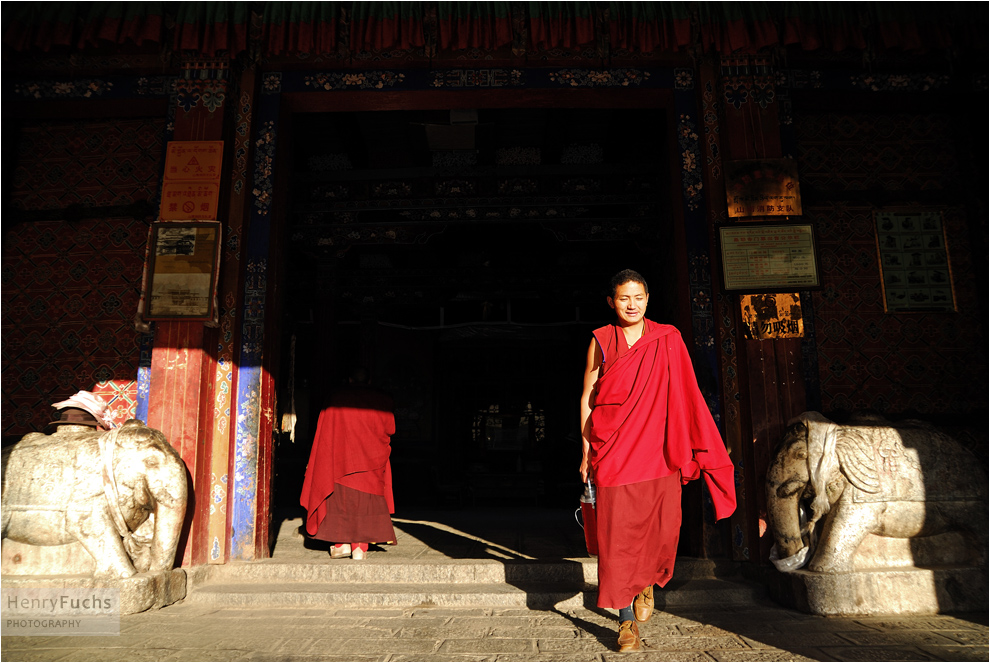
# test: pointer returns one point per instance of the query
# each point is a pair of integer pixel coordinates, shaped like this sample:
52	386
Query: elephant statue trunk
792	540
791	494
170	514
869	478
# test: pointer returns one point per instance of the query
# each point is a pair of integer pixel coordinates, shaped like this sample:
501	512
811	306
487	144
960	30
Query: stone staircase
460	583
474	558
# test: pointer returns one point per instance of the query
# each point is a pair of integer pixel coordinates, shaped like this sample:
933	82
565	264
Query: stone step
522	594
349	571
453	571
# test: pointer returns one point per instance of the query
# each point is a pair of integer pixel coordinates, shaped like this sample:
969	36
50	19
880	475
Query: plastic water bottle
589	519
589	492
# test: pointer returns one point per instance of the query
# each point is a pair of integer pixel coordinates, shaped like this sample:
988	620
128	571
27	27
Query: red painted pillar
183	359
174	402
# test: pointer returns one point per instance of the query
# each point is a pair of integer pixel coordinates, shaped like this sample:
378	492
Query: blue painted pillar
696	201
251	461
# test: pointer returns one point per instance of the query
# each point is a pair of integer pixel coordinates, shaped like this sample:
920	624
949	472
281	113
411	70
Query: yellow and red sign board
191	186
189	201
194	160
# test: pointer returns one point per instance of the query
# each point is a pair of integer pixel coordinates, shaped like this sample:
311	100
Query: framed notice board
769	258
182	271
914	263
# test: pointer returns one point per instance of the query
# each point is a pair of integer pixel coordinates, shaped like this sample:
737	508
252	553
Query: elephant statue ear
822	463
857	459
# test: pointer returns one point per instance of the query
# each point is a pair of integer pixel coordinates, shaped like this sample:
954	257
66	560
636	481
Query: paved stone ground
763	632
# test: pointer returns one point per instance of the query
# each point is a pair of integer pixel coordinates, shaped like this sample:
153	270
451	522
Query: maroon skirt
355	517
638	528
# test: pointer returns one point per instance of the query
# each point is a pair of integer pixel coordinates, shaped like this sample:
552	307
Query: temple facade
440	191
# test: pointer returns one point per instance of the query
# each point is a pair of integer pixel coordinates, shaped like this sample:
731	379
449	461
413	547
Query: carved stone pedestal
22	559
138	593
888	591
70	566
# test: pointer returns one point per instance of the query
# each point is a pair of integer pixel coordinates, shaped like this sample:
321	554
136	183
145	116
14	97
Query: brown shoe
629	637
643	605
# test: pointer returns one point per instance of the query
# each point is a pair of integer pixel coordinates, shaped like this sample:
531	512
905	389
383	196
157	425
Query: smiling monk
646	429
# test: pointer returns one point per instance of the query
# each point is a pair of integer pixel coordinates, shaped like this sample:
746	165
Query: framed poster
769	258
182	270
914	263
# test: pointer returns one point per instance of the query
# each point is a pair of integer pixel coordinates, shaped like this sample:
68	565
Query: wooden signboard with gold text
762	187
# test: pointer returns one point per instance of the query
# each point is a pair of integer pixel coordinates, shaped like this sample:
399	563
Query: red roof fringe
317	28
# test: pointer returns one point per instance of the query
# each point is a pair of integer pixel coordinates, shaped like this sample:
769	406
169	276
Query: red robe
351	448
650	419
650	430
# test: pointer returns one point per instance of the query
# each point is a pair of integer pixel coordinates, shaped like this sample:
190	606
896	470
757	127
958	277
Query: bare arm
594	363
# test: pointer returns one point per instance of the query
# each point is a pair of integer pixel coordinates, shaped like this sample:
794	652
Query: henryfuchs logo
59	611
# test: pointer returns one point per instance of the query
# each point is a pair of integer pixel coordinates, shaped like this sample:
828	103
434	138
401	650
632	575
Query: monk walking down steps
645	430
347	491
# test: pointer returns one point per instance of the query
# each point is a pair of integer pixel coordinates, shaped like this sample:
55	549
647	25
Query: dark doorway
463	257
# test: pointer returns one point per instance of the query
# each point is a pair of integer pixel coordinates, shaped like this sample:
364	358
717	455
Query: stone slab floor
761	632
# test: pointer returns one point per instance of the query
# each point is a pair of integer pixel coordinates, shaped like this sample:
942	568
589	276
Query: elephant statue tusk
792	563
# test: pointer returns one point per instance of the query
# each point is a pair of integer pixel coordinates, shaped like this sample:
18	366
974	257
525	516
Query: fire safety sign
191	185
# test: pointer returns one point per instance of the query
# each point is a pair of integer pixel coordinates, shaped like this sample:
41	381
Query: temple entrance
463	256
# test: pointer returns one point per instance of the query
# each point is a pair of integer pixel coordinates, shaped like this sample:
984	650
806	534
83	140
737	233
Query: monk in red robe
646	429
347	491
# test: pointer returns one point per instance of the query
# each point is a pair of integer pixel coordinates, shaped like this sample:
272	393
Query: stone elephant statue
901	480
121	493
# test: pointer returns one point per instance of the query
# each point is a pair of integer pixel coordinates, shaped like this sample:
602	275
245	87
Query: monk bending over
347	491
